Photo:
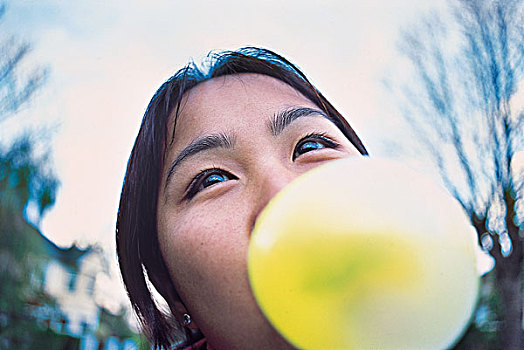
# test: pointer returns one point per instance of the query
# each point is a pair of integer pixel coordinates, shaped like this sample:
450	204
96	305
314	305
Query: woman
214	146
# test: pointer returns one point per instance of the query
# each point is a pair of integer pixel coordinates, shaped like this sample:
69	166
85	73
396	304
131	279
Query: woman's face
238	140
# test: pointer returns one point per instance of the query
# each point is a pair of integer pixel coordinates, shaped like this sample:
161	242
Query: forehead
233	102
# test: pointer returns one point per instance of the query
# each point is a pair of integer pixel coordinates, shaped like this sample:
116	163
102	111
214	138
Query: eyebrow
276	125
197	146
284	118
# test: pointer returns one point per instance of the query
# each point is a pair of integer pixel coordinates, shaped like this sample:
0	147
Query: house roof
68	256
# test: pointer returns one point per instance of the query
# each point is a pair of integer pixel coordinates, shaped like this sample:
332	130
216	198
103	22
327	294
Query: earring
187	319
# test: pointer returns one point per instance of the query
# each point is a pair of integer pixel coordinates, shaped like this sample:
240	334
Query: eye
207	178
313	142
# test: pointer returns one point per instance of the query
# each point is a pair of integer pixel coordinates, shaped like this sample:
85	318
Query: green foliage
113	325
27	188
484	330
28	335
116	325
475	338
24	179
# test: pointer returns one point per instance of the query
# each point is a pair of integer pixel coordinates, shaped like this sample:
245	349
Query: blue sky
106	59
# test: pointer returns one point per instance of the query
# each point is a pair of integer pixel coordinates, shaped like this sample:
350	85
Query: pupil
311	145
212	179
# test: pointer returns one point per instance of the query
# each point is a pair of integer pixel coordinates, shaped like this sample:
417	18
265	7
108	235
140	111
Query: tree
16	91
462	110
26	181
116	325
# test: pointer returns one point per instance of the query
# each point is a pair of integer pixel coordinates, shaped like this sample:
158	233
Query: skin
204	239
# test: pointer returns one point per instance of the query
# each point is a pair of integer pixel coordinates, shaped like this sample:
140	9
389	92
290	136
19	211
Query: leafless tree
25	178
462	108
16	89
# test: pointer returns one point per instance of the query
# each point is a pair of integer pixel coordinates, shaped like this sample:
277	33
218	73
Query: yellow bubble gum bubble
364	254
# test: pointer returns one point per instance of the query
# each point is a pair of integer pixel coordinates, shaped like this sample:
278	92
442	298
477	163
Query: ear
179	310
163	284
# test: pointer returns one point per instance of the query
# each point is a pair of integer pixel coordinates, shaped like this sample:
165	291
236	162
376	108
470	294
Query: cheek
198	246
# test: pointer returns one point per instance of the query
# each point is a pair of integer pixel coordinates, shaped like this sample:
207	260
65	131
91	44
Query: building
69	277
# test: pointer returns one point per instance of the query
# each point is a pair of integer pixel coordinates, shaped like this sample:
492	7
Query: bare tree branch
463	103
16	88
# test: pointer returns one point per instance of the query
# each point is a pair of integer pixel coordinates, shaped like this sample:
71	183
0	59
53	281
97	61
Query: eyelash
197	181
193	187
315	136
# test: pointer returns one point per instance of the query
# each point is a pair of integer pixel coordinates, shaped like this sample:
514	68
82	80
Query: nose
270	182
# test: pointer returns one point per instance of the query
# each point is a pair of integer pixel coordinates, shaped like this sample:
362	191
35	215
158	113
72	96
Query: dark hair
136	229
